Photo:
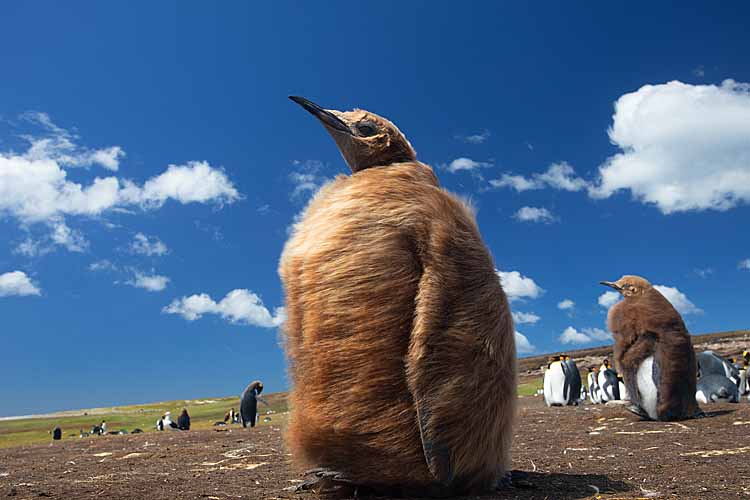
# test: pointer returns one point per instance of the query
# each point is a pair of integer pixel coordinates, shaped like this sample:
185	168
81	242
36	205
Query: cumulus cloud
17	283
684	147
560	176
465	164
534	214
566	304
517	286
523	346
477	138
35	187
148	245
678	299
744	264
521	318
239	306
151	283
573	336
57	144
608	299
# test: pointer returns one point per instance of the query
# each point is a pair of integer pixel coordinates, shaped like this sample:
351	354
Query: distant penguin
396	318
710	363
562	382
168	424
716	389
183	421
136	431
57	433
593	385
608	384
160	424
249	403
653	351
555	383
573	381
744	386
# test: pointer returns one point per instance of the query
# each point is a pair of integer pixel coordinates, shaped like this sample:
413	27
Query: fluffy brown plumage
399	336
646	324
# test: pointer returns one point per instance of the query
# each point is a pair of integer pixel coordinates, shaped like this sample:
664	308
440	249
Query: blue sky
151	165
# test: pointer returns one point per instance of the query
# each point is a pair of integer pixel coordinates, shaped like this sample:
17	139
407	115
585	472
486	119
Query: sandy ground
568	452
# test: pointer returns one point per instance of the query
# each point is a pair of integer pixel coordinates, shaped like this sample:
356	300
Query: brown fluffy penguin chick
399	336
653	351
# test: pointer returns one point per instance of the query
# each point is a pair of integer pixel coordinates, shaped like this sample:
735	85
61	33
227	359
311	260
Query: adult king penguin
395	318
653	351
249	403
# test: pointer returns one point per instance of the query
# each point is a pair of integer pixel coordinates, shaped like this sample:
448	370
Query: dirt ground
569	453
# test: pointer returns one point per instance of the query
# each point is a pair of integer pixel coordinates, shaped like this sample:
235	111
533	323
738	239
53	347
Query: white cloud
704	273
32	248
465	164
17	283
566	304
517	286
557	176
684	147
573	336
152	283
534	214
477	138
744	264
521	318
148	245
239	306
517	182
608	299
58	145
66	237
678	299
35	188
102	265
523	346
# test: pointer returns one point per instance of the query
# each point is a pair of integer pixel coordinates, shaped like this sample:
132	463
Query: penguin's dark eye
366	128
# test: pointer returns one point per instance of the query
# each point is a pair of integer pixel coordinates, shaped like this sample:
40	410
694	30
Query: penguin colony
394	307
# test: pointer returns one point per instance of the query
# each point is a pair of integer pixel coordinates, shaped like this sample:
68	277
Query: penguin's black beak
611	285
327	118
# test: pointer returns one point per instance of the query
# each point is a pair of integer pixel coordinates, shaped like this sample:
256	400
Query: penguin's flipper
436	453
327	482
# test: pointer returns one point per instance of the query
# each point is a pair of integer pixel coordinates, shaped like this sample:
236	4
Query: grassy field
203	413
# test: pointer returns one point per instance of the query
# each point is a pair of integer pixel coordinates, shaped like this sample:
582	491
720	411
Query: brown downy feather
645	323
396	318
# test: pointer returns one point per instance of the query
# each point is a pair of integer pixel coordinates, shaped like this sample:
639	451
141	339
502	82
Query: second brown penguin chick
399	336
653	351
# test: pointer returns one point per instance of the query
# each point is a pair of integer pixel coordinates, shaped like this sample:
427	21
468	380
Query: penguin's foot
638	411
515	479
328	482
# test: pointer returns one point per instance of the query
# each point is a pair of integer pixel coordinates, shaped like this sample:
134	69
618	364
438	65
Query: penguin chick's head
629	286
364	139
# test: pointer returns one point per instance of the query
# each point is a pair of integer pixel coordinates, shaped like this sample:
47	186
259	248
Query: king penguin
249	403
395	318
608	383
716	389
555	382
710	363
653	351
592	380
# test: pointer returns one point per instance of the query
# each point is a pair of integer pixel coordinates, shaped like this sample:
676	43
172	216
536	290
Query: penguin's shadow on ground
546	485
716	413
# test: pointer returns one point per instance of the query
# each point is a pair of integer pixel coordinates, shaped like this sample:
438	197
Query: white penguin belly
647	388
554	381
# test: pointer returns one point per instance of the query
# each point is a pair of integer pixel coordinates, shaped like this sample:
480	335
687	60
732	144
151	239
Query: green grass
203	413
530	388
